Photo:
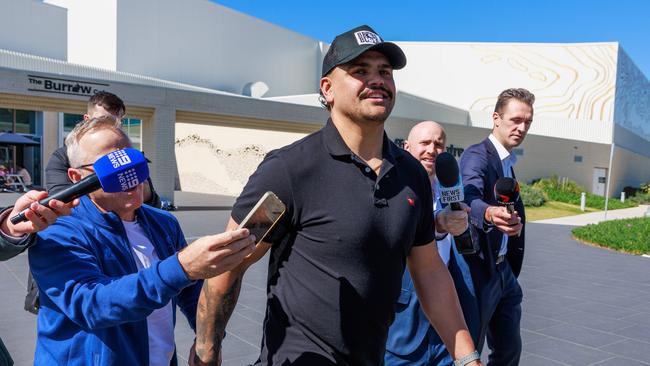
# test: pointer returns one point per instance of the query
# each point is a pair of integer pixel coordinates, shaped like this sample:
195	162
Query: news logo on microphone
506	193
452	194
118	171
122	169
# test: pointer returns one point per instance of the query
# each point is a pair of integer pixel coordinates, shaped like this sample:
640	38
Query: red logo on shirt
411	201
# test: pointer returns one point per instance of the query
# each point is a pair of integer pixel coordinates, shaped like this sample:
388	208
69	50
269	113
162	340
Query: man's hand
213	255
506	222
452	222
39	217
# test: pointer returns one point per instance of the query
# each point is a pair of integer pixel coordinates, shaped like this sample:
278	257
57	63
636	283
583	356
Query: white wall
570	81
33	27
91	32
206	44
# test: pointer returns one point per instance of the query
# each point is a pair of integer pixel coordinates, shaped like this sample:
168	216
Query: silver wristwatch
467	359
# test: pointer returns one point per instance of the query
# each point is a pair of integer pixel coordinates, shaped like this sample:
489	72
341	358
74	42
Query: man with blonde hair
112	273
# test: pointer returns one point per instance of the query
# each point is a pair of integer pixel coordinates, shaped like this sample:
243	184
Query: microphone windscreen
506	190
447	170
121	170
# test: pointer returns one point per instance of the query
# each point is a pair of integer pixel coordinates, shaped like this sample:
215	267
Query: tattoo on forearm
214	311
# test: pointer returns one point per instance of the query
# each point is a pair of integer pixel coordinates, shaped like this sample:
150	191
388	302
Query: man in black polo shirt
357	208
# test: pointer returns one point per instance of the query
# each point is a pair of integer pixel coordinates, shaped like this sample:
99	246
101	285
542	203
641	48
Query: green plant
628	235
645	187
531	196
568	191
641	198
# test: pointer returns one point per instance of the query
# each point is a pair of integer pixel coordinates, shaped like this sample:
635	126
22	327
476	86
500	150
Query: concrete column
50	139
158	134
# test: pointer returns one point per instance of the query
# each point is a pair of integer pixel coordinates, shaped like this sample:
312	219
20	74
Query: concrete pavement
582	305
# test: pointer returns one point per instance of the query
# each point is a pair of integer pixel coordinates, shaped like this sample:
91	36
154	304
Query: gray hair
75	155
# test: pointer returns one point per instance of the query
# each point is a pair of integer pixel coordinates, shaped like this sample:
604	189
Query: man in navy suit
500	234
411	338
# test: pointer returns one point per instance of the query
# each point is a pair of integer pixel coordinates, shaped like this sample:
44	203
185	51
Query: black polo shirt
339	253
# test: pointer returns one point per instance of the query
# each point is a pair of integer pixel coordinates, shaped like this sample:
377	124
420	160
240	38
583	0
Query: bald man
411	338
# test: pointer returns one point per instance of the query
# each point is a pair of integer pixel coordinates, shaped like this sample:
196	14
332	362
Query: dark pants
500	307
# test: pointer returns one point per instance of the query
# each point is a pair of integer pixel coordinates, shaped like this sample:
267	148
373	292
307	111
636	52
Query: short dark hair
519	94
109	101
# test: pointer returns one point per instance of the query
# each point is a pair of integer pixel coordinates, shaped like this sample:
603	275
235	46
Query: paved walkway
596	217
582	305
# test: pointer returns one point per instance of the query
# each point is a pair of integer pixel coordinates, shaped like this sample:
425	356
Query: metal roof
23	61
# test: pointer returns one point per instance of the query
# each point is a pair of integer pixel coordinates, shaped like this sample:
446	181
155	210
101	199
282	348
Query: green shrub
554	183
531	196
628	235
645	187
569	191
641	198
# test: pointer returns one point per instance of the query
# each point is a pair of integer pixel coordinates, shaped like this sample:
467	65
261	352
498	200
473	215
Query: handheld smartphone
263	216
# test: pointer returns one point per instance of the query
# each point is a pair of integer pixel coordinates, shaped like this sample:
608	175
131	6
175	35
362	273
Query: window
133	128
69	121
577	159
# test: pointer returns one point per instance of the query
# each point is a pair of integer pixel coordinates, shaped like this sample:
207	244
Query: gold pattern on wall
238	164
569	81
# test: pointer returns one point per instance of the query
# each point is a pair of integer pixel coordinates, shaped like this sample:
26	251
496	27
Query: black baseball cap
349	45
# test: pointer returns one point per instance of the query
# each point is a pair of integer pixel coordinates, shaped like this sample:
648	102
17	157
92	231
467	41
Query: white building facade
210	90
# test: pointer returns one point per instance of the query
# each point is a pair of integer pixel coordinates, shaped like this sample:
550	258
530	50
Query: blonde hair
75	155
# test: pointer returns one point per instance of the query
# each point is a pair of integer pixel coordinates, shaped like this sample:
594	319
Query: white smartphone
263	216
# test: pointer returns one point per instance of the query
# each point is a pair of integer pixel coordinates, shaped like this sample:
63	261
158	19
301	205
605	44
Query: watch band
467	359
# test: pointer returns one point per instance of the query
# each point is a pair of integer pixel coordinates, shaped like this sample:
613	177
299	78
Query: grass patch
628	235
553	209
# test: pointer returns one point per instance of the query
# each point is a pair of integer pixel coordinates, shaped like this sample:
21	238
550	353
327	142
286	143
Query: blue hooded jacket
94	301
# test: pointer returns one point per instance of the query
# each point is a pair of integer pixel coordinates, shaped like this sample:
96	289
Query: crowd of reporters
112	267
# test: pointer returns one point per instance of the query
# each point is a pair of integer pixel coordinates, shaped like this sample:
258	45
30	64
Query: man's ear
74	175
326	89
496	118
406	145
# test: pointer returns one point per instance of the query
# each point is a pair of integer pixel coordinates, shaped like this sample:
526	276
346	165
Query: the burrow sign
48	84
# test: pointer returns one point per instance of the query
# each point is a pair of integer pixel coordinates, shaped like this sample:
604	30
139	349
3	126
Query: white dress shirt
508	162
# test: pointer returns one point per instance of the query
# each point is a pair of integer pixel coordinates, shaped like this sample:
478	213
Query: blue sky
624	21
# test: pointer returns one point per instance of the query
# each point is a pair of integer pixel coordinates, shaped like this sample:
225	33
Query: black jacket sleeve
56	172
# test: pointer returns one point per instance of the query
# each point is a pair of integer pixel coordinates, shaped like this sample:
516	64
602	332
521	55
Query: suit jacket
481	168
410	328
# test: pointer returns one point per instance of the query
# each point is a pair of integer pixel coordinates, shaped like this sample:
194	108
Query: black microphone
87	185
117	171
506	193
451	191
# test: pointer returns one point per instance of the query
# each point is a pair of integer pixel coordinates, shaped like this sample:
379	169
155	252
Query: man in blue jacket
112	273
411	338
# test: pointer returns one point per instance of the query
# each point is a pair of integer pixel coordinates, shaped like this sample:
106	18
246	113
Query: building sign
63	86
453	150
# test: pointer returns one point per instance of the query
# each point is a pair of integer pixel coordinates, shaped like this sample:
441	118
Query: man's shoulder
297	149
478	147
474	152
59	157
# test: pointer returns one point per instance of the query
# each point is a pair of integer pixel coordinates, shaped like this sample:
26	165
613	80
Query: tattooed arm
216	304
